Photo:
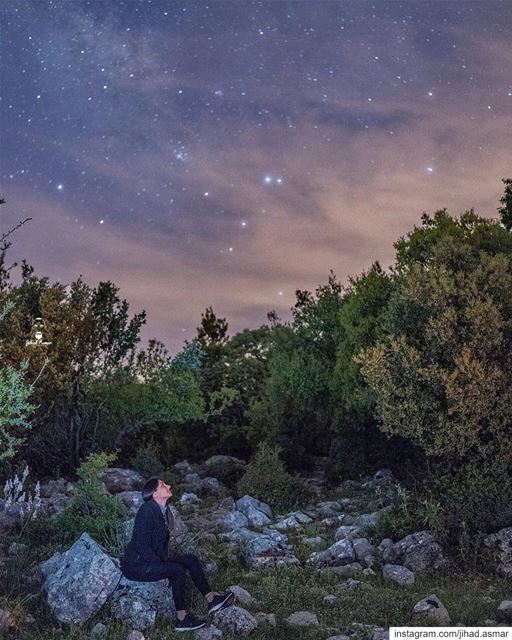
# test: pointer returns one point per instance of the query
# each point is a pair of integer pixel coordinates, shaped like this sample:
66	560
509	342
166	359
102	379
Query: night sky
226	153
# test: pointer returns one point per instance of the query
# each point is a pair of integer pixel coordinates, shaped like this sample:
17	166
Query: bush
93	510
266	479
147	462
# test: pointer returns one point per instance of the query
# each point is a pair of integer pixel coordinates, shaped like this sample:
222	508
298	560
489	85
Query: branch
8	233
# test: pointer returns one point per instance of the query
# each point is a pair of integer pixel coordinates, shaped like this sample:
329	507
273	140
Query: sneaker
221	601
189	623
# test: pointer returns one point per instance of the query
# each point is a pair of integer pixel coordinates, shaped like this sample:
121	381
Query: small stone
265	618
330	599
346	570
242	596
135	635
16	548
99	631
302	619
380	633
207	633
504	612
340	637
397	573
431	607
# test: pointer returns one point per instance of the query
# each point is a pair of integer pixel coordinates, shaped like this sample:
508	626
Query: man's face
163	491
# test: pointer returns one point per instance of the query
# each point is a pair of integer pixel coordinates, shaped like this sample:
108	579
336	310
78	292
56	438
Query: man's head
157	489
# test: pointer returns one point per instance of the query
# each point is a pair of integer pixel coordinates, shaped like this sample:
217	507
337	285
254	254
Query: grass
469	596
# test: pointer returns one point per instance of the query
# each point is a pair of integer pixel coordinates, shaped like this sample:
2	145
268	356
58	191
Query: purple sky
226	153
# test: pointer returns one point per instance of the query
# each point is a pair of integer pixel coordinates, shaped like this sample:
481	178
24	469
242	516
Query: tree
358	445
505	210
15	407
301	362
443	375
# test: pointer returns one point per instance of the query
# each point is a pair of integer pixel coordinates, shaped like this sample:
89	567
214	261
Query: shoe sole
228	600
199	626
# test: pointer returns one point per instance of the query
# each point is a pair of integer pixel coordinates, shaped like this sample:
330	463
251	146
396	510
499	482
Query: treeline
409	368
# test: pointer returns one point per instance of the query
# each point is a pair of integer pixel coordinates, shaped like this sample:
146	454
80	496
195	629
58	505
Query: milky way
227	153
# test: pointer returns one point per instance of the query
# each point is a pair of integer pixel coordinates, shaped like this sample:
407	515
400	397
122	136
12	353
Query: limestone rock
235	620
140	603
341	552
399	574
117	480
242	596
302	619
431	607
419	552
78	582
504	612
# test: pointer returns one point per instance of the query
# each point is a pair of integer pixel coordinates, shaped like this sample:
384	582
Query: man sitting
146	557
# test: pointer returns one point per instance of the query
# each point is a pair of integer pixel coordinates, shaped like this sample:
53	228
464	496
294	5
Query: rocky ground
319	573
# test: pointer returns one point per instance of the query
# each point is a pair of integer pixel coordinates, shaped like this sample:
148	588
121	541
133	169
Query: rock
399	574
368	520
140	603
78	582
182	467
235	520
418	552
223	461
256	517
287	523
243	505
177	526
53	487
383	477
190	498
340	637
315	542
117	480
341	552
135	635
347	532
131	500
265	618
504	612
364	550
432	608
243	596
349	585
329	598
211	486
336	521
502	541
302	619
269	548
380	633
99	631
385	549
235	620
207	633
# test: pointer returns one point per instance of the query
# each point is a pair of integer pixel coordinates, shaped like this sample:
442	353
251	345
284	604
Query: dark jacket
150	536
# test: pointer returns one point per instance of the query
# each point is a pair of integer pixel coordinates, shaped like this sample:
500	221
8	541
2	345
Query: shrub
266	479
93	510
147	462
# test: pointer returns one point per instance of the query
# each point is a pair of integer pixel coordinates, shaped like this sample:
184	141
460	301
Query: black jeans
173	569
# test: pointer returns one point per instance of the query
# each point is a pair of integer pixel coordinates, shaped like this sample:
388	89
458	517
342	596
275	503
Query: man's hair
149	488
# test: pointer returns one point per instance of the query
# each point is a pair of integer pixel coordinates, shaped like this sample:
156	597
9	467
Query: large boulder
78	582
117	480
418	552
141	603
502	542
